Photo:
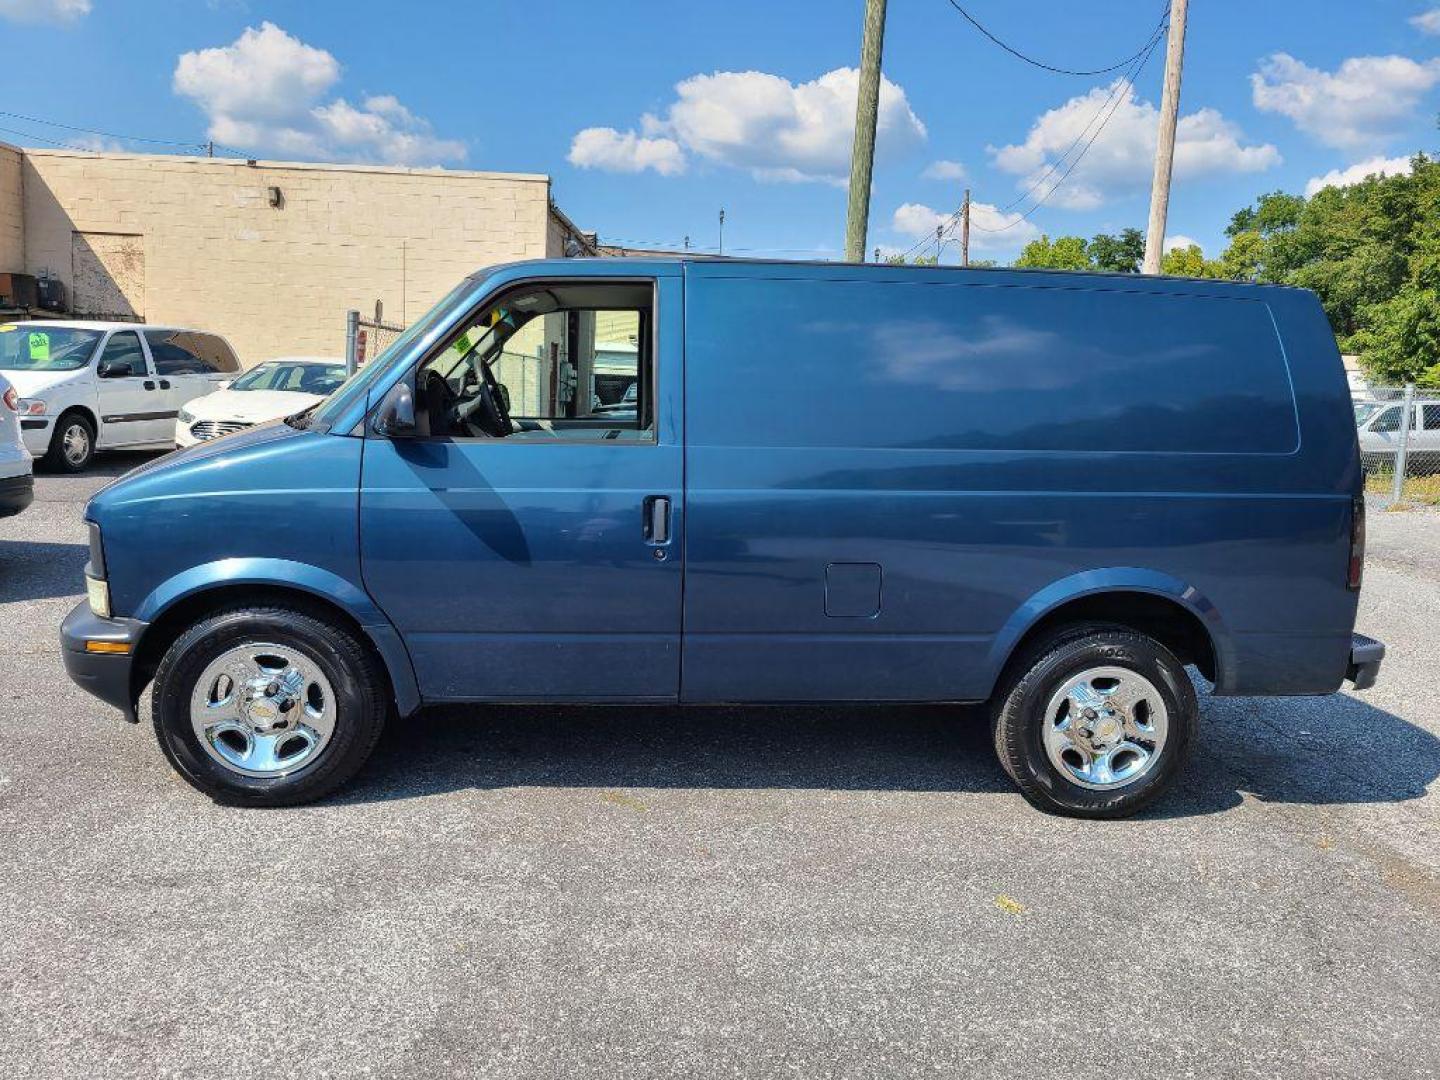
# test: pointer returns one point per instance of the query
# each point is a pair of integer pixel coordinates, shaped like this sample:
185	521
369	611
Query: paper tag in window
462	345
39	346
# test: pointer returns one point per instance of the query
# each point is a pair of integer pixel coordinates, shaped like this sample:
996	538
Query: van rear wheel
268	706
1095	722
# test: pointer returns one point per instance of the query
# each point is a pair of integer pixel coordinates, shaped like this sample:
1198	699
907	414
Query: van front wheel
1095	722
268	706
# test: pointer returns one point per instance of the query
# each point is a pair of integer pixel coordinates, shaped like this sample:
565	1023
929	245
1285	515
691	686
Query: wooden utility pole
1165	147
862	153
965	230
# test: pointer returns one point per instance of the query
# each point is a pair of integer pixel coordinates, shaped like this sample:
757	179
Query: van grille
213	429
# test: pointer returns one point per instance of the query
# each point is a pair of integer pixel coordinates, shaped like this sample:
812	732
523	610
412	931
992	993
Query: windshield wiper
301	420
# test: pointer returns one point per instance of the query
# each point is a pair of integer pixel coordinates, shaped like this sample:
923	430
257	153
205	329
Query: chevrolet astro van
726	481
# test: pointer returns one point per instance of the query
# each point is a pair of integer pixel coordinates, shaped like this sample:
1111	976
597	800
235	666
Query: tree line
1371	251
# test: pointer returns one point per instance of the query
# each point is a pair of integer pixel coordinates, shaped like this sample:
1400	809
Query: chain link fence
365	338
1399	429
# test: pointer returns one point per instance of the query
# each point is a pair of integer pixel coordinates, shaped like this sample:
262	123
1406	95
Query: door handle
164	384
149	385
657	519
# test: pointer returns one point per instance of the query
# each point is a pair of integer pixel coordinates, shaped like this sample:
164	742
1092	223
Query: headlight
98	593
186	416
29	406
97	589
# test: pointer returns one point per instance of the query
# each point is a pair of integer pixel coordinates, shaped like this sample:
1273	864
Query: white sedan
266	392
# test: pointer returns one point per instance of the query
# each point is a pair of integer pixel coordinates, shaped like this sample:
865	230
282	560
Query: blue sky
651	116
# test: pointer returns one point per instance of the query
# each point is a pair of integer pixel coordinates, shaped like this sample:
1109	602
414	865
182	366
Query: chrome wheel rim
75	444
263	710
1105	728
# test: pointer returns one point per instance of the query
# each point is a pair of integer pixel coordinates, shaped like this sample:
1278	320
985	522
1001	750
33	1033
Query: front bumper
16	493
1365	656
35	432
104	674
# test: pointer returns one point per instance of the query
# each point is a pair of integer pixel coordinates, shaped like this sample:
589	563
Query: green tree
1064	253
1272	213
1119	254
1188	262
918	260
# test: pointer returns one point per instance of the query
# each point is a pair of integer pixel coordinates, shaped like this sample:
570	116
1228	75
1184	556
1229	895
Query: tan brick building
269	254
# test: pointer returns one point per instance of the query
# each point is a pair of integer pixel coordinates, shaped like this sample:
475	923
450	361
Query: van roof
638	263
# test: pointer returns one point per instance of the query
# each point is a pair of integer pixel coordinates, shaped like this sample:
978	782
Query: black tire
1019	716
55	457
361	692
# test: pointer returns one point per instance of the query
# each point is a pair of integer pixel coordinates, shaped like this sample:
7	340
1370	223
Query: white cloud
1121	159
44	11
267	91
944	170
1180	242
1427	22
626	152
990	229
1355	106
1376	166
767	125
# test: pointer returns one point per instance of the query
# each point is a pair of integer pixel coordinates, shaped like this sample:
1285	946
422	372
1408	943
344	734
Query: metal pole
1165	147
1407	415
722	230
965	231
862	152
352	341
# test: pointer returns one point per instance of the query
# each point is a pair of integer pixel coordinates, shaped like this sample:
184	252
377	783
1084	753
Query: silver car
1379	427
17	482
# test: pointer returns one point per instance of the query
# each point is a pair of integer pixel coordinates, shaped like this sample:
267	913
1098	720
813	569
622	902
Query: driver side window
557	362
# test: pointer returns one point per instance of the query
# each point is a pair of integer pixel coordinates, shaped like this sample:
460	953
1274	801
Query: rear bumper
1365	656
106	675
16	493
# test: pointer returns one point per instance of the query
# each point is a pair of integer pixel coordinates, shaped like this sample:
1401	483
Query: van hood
35	383
249	406
214	448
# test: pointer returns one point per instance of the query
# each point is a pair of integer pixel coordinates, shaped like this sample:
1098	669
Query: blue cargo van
727	481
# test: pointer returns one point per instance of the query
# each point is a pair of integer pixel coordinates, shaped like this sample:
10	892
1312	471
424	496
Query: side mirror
224	384
115	369
395	419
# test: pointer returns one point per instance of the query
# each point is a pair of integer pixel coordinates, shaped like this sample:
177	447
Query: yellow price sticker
8	328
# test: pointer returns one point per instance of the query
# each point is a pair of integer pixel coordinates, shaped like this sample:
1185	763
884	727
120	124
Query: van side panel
980	438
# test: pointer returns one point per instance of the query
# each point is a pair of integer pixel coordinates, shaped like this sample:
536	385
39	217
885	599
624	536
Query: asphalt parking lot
654	892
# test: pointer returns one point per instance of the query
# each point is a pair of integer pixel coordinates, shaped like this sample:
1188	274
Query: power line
1107	110
93	131
1079	157
1040	63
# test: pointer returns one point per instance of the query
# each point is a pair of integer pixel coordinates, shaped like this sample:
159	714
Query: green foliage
1189	262
1271	214
1118	254
1065	253
918	260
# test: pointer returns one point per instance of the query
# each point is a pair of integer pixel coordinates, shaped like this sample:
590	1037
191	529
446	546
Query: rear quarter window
977	367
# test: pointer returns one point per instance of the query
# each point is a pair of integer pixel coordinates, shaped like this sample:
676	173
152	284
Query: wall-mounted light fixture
277	198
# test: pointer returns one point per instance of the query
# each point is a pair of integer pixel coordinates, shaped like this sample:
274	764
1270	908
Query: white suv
87	386
17	485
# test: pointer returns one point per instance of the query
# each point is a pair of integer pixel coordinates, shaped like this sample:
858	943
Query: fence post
1407	416
352	339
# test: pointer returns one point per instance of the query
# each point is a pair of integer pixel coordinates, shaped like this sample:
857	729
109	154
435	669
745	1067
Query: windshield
355	388
1366	409
321	379
28	347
